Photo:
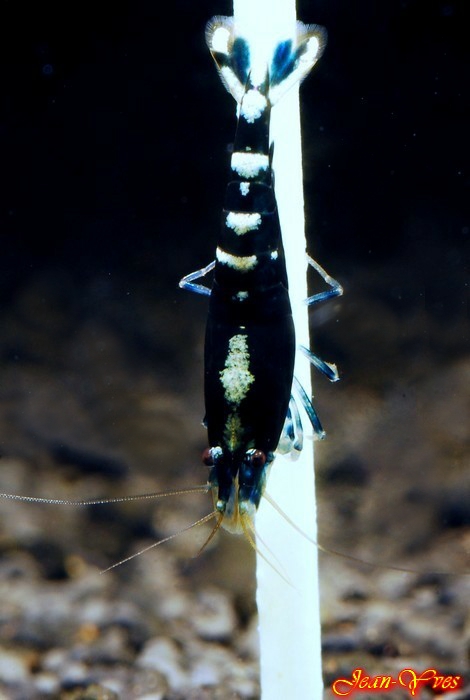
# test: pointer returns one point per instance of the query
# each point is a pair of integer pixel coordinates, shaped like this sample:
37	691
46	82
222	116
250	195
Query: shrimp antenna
212	533
204	519
249	531
102	501
351	557
258	538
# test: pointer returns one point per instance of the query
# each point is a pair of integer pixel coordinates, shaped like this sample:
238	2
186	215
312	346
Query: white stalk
289	617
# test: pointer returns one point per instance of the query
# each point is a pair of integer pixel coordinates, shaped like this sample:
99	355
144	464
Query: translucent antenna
351	557
204	519
211	535
102	501
249	531
253	542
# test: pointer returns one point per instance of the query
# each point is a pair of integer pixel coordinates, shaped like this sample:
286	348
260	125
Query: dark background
114	132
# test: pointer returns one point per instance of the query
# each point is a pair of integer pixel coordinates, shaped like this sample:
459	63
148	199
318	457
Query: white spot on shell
242	222
237	262
249	164
244	188
236	378
220	40
253	105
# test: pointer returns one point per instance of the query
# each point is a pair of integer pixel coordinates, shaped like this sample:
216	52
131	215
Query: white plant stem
289	618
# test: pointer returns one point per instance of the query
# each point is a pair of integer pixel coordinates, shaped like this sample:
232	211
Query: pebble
163	655
13	667
75	673
340	643
46	683
92	692
213	615
394	585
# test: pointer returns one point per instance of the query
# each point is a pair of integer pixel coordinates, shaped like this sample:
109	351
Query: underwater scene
116	145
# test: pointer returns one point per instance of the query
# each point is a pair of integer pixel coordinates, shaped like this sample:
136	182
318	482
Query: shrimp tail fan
290	62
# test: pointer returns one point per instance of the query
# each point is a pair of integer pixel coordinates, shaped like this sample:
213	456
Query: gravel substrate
165	625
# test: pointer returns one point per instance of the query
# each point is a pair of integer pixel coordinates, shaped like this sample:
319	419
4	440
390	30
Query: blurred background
115	140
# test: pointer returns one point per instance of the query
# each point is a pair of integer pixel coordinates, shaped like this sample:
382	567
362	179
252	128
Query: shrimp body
250	338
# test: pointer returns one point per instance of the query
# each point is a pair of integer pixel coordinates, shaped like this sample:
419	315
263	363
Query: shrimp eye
207	457
257	458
